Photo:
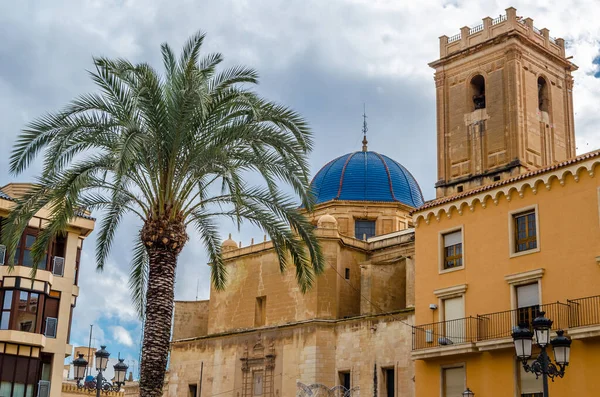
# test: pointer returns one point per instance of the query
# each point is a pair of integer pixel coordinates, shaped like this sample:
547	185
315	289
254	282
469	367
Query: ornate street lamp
79	366
541	327
102	358
120	373
562	349
100	383
522	339
542	366
468	393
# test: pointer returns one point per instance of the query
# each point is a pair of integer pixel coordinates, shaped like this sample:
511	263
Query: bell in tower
504	103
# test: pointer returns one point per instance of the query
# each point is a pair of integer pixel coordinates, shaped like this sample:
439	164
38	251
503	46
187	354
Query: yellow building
262	337
35	323
515	229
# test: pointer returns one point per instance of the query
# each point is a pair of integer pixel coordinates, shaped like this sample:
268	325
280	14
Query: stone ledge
578	333
444	351
495	344
317	321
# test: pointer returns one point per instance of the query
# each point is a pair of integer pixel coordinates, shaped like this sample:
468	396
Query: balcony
584	315
492	331
445	338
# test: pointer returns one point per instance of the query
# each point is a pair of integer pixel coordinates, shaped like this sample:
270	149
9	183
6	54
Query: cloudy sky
323	58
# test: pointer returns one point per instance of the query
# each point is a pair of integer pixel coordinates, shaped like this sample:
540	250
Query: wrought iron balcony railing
445	333
584	311
501	324
574	313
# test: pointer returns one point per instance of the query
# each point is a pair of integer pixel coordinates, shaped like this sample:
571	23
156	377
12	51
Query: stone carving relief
258	365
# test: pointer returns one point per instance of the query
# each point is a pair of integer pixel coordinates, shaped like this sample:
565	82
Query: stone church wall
314	351
191	319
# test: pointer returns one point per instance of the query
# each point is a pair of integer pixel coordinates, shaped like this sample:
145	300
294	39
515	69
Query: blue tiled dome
366	176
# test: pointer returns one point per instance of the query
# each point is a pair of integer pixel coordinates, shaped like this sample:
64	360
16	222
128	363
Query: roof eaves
5	196
444	200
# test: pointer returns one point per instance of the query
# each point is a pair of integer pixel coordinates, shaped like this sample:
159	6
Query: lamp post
468	393
102	356
101	364
542	365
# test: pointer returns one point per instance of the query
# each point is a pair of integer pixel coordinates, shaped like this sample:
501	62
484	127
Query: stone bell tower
504	103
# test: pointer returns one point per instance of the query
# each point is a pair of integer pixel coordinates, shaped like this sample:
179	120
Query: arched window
478	92
543	97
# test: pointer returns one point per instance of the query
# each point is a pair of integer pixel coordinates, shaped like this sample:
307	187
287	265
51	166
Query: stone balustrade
490	28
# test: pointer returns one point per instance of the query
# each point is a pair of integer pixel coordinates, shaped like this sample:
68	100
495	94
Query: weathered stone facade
504	103
353	321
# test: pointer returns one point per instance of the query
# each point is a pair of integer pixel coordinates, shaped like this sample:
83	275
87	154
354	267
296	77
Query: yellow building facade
35	323
515	229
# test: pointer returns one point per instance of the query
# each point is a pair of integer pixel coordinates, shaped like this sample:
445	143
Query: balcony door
528	303
454	314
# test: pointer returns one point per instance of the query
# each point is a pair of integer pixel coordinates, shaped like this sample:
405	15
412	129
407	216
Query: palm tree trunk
157	327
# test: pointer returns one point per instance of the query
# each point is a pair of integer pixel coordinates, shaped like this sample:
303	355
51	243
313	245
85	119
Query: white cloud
106	293
121	335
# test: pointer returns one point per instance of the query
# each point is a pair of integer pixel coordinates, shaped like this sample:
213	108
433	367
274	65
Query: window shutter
51	324
454	381
528	382
43	388
528	295
2	254
453	238
454	309
58	266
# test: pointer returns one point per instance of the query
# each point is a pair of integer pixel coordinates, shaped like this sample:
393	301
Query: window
347	274
19	375
20	310
257	382
27	310
478	92
460	188
193	391
77	260
364	229
525	231
6	308
528	303
453	381
389	382
23	254
345	379
543	97
529	386
260	311
453	250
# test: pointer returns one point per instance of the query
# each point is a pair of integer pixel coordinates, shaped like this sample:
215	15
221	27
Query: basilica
262	336
421	298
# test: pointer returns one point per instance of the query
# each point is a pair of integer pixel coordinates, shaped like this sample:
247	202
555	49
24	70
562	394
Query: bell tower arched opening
478	92
543	97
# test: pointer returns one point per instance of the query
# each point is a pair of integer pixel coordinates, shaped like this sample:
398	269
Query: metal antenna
364	129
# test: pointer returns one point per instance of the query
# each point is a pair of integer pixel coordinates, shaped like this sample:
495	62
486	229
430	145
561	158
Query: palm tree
172	149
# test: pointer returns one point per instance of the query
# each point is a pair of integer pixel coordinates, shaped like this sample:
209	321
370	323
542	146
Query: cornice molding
524	277
448	292
485	196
